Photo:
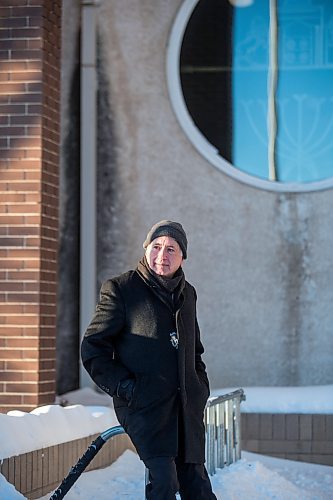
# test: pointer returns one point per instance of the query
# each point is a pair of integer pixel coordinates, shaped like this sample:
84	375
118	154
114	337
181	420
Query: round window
251	82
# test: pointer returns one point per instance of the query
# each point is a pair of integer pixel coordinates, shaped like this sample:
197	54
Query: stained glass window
225	65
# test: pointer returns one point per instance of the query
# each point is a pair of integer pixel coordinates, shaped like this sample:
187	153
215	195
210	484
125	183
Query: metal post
88	171
232	423
210	441
237	433
271	88
220	436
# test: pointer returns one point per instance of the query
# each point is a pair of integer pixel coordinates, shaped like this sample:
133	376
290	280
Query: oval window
252	83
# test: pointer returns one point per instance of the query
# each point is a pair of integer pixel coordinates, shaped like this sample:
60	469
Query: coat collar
170	291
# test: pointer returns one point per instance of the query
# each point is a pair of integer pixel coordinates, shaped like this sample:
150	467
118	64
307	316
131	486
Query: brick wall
303	437
29	158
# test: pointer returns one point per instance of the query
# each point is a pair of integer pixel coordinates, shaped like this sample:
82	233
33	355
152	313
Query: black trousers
168	475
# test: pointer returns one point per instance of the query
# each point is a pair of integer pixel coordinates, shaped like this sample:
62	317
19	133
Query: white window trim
205	148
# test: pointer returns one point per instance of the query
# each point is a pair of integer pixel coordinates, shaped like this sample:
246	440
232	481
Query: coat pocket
203	389
204	381
149	390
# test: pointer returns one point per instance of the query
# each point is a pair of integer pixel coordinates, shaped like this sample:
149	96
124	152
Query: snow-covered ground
255	477
252	478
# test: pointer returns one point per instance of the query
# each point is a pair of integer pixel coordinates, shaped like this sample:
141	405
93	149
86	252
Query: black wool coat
129	336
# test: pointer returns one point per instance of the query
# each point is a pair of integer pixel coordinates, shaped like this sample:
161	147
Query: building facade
259	251
169	144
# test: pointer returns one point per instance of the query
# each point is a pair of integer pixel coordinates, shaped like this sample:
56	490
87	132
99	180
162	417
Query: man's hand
125	389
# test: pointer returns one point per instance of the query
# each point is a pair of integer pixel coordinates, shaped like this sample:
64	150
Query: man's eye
171	250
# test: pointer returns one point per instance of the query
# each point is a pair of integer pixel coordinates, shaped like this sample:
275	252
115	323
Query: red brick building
29	173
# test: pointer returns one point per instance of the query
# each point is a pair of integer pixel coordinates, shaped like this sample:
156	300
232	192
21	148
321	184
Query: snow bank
310	399
250	478
21	432
254	477
50	425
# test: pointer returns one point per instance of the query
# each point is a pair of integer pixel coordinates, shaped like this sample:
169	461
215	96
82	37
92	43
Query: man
143	348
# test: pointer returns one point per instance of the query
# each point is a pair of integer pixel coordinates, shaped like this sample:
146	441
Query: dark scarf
169	290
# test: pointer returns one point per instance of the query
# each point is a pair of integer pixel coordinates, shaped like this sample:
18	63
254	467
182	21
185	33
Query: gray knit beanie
168	228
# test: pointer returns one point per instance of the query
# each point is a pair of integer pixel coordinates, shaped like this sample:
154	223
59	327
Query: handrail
225	397
223	430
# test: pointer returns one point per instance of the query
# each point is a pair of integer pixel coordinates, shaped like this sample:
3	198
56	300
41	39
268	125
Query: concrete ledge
39	472
306	438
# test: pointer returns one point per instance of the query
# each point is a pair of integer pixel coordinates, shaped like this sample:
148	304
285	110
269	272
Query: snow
50	425
32	430
254	477
310	399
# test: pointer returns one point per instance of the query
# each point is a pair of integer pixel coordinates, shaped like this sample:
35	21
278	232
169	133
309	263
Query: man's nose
163	253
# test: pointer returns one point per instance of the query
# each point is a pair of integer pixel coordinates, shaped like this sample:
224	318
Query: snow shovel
84	461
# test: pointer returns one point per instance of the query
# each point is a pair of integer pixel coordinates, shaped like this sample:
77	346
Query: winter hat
168	228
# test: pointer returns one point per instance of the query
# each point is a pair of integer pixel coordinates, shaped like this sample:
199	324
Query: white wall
262	262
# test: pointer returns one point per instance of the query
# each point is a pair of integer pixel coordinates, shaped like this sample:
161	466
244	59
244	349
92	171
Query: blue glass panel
304	148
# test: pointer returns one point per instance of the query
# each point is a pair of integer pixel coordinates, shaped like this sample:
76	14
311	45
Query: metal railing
223	430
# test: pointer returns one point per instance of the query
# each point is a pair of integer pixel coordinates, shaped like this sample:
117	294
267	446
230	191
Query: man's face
164	256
